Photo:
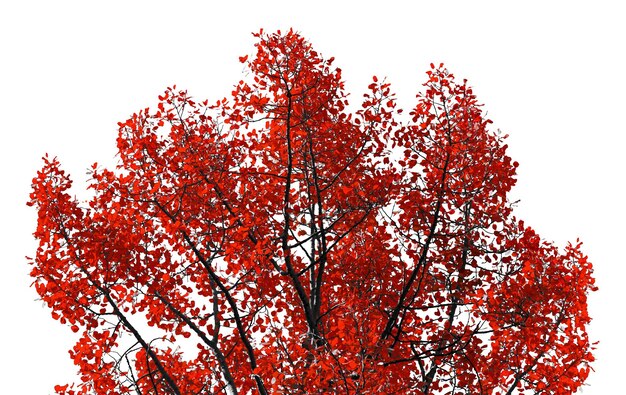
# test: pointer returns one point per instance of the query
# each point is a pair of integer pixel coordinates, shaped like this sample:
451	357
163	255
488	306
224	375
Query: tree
281	242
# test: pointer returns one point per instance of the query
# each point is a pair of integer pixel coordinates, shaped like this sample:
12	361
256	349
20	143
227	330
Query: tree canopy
282	241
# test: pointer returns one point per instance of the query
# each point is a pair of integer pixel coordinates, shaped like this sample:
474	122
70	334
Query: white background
550	73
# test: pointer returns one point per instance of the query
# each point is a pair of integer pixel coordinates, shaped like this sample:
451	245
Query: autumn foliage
282	241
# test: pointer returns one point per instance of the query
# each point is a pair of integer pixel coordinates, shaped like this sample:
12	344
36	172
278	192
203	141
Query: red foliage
279	242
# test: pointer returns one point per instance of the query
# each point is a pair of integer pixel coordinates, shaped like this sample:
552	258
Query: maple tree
280	242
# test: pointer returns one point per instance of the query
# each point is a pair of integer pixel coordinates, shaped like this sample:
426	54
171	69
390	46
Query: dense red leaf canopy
282	242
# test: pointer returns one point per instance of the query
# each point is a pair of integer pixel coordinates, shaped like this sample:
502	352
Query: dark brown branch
221	359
